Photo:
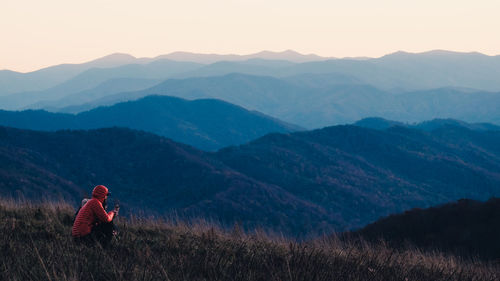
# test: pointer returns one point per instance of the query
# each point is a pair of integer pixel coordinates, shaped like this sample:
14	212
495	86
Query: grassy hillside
35	239
466	227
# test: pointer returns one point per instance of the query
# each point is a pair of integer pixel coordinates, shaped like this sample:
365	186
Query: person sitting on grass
92	223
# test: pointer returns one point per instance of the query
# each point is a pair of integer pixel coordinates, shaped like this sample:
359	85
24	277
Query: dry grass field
35	244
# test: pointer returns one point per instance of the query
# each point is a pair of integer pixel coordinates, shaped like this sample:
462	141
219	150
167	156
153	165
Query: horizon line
317	57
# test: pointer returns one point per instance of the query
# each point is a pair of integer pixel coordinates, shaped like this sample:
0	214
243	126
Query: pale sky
40	33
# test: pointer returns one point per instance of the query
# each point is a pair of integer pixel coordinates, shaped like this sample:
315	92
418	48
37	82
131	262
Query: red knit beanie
100	192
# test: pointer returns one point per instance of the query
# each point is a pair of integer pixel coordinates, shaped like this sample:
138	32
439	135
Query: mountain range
15	82
315	101
396	73
45	78
303	183
206	124
383	124
309	91
214	136
94	77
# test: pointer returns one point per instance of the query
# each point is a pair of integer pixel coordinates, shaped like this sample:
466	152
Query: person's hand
117	209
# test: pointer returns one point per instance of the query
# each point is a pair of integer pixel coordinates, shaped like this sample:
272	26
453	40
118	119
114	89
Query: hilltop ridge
36	241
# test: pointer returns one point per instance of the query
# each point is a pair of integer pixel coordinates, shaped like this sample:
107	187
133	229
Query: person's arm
101	214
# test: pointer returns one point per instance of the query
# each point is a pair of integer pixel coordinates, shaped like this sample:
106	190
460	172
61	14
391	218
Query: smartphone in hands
117	208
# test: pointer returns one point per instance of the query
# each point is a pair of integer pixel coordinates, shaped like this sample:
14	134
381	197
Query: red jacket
92	213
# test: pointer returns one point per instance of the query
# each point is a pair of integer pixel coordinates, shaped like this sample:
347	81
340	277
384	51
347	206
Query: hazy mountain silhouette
109	87
13	82
404	87
463	104
402	71
322	100
262	92
288	55
383	124
379	123
439	123
322	81
249	67
160	70
466	227
307	107
206	124
397	71
45	78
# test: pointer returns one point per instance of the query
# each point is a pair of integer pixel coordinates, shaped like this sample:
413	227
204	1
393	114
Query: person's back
92	216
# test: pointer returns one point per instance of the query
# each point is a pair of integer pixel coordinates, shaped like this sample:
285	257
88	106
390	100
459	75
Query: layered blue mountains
207	124
299	145
309	91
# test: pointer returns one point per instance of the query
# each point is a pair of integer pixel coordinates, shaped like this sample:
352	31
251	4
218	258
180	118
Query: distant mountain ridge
314	94
287	55
45	78
205	124
434	69
109	87
383	124
315	101
91	78
13	82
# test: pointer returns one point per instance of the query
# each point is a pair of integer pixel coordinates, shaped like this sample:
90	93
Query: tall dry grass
35	244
